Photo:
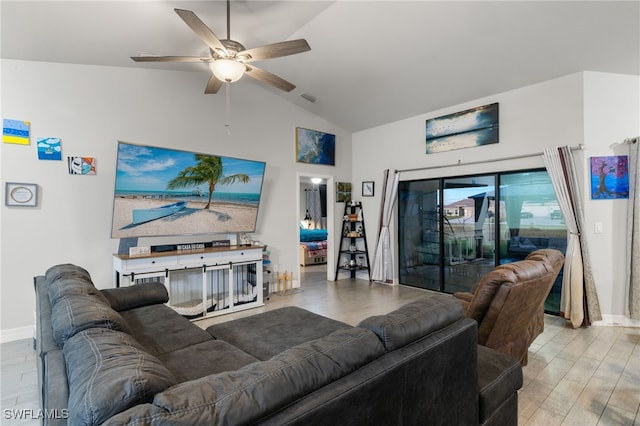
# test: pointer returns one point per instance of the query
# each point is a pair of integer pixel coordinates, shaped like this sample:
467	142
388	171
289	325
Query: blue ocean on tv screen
219	197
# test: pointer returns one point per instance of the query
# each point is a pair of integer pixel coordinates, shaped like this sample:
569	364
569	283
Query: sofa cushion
246	395
74	313
108	372
66	286
499	378
66	270
135	296
269	333
160	329
414	320
203	359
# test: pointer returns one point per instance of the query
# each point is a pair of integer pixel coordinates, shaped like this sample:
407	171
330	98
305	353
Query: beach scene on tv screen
160	191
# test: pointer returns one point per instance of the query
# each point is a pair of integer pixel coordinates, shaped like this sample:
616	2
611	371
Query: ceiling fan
229	60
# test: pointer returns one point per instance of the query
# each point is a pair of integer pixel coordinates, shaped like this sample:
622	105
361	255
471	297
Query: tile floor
588	376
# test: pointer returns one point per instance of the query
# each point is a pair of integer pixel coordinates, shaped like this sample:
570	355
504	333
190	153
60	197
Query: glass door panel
468	231
453	231
419	233
532	221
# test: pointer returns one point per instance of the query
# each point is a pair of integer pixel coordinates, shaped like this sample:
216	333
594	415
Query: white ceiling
371	62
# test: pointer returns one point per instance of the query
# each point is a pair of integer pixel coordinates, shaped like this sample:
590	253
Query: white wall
611	114
90	108
590	108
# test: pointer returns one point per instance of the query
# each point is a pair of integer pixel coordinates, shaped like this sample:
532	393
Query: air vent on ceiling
308	97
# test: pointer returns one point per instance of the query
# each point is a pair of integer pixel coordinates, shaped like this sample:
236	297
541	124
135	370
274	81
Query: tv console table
200	283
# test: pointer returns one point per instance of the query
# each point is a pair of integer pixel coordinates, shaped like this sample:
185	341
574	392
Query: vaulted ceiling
371	62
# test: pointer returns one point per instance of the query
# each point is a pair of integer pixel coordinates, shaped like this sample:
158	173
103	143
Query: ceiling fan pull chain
227	124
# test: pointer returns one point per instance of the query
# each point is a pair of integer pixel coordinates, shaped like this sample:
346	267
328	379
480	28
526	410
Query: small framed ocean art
473	127
49	149
15	131
315	147
609	177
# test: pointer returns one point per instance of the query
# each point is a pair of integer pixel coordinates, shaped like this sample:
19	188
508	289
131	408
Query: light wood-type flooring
586	376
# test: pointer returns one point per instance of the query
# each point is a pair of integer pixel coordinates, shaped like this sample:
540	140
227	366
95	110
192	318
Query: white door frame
331	203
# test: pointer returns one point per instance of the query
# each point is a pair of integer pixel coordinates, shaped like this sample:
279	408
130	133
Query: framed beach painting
609	177
315	147
473	127
16	131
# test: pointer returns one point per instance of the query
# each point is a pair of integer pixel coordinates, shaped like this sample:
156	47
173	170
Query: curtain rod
627	141
580	147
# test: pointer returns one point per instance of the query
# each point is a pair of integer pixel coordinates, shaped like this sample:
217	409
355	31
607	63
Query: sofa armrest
135	296
414	320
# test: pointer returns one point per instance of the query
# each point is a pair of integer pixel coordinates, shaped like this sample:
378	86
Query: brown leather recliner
508	303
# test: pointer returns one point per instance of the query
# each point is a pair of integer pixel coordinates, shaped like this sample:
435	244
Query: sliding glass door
452	231
532	221
469	230
419	233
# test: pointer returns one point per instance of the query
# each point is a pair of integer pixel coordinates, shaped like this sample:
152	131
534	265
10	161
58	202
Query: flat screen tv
162	192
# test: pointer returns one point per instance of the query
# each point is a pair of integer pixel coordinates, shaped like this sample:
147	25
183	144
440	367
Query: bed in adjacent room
313	246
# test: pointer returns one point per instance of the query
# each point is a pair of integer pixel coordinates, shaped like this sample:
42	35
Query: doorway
315	244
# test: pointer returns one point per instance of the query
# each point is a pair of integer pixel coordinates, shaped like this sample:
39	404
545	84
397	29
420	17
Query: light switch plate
598	228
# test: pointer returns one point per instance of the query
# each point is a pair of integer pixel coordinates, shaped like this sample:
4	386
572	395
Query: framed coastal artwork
15	131
470	128
609	177
49	149
315	147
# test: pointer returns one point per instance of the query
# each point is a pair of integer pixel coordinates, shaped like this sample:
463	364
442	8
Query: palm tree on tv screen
208	170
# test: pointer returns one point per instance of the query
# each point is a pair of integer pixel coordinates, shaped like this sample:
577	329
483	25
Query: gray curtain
633	228
314	208
382	257
579	299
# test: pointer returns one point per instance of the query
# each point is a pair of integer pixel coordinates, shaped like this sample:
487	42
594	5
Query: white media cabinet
200	283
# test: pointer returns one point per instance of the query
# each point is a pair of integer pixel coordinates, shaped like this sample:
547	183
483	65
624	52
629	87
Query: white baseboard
617	321
19	333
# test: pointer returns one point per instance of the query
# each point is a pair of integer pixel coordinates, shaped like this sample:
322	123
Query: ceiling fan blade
170	58
201	30
275	50
213	85
267	77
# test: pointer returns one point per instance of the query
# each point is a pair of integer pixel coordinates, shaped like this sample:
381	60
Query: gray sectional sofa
121	356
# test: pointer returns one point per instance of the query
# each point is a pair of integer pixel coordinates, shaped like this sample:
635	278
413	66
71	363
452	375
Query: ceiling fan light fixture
227	69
